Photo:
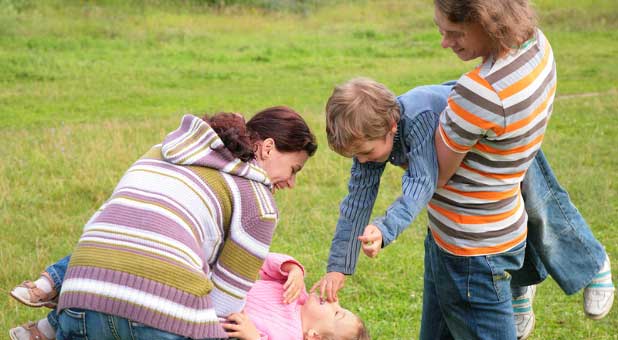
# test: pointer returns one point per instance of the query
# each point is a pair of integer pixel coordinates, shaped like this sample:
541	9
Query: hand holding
371	240
295	283
329	285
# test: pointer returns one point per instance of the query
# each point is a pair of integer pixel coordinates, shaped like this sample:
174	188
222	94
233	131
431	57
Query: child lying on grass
278	307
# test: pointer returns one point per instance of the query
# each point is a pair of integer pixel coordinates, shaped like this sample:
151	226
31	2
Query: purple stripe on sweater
148	221
179	209
185	124
222	276
140	314
204	137
141	284
262	230
189	175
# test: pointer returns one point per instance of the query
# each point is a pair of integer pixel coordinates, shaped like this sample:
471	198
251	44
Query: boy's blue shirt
413	147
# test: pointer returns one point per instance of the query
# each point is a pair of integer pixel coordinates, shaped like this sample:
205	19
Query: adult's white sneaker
523	312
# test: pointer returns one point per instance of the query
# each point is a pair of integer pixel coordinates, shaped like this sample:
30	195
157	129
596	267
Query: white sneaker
523	313
599	294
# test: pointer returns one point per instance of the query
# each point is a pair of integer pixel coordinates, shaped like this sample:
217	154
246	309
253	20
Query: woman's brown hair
285	126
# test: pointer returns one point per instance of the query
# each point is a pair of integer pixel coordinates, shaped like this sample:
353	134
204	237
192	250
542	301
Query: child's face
376	150
328	317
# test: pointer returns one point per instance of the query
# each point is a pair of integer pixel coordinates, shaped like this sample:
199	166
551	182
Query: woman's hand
329	285
295	283
239	326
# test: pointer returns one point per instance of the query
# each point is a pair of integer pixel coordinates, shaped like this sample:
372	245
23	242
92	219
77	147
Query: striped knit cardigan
181	239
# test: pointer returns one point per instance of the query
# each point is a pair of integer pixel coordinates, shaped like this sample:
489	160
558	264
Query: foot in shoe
599	294
523	313
41	330
36	294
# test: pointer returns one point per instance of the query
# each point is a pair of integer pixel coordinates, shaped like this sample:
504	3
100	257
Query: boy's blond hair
359	110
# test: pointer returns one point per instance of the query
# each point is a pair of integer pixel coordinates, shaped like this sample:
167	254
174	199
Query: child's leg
560	242
557	232
473	293
40	330
43	291
58	270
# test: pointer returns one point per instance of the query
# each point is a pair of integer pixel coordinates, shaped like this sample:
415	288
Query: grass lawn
86	87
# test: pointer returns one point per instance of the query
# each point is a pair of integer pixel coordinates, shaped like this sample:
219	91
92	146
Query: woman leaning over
183	236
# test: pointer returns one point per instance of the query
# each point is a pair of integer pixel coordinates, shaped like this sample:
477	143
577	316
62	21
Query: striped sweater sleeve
474	110
245	248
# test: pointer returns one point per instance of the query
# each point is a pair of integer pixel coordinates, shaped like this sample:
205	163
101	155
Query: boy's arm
354	213
418	182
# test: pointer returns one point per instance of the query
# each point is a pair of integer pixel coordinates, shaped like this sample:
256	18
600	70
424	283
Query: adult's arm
448	160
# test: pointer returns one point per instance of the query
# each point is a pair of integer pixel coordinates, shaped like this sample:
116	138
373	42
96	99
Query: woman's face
467	40
281	167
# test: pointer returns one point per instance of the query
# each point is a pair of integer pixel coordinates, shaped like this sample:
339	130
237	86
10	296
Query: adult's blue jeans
79	324
468	297
560	242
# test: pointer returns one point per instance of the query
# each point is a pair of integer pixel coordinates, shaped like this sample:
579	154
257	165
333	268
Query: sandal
31	328
32	296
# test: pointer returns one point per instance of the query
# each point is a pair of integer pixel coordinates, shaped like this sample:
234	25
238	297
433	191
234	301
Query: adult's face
467	40
281	167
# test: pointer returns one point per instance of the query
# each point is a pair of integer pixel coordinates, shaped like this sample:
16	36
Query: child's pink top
265	307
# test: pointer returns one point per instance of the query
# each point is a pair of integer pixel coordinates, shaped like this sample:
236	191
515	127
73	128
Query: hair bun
232	130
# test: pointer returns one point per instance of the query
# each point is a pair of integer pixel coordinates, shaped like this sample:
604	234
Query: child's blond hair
359	333
359	110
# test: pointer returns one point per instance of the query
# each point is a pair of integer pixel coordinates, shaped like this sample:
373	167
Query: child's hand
372	240
239	326
329	285
295	283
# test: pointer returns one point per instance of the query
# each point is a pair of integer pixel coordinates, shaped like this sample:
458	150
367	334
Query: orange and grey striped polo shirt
497	114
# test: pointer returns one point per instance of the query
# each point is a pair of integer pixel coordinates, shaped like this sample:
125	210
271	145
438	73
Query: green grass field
87	86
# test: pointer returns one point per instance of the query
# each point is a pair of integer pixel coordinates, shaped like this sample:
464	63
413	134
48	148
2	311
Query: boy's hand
239	326
329	285
295	283
371	240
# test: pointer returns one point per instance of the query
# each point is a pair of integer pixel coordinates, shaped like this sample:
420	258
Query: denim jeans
560	242
468	297
57	272
79	324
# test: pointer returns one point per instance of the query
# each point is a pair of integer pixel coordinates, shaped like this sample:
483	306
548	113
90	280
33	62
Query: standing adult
182	238
488	136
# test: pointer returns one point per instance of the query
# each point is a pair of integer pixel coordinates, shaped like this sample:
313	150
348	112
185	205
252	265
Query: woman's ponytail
232	130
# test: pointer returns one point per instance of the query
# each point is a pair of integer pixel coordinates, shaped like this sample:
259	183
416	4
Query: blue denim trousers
79	324
560	242
57	271
468	297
